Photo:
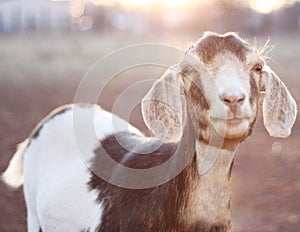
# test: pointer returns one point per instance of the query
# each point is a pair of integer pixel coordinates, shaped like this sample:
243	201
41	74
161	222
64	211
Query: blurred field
41	72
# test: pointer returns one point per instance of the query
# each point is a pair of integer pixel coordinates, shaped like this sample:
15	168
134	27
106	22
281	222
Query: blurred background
46	47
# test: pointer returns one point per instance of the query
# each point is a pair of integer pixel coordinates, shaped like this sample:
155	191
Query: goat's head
223	88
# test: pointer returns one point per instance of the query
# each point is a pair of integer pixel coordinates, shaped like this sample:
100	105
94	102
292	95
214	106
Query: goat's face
231	111
230	86
222	85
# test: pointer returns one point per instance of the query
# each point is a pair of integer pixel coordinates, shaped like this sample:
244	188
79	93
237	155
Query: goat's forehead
226	59
211	46
226	63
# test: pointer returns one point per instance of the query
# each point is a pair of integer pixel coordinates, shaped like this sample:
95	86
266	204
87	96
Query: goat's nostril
233	99
241	99
227	101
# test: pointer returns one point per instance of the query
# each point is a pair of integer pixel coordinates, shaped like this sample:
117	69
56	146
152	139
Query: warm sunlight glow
266	6
176	3
77	10
103	2
139	3
144	3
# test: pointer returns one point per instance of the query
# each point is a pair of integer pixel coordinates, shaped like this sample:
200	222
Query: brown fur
170	207
212	44
198	109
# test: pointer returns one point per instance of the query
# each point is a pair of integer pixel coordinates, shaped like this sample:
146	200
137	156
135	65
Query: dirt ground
38	74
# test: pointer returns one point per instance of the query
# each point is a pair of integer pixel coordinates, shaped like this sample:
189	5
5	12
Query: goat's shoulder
134	150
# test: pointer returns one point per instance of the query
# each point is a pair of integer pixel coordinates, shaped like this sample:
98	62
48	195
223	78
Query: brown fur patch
111	145
169	207
212	44
198	107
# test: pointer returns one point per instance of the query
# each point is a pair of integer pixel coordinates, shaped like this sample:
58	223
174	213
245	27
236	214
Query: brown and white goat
199	111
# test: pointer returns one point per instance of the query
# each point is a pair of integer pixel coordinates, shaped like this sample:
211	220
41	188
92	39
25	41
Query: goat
191	119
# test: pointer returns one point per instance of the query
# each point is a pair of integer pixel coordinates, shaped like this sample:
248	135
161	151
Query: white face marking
230	109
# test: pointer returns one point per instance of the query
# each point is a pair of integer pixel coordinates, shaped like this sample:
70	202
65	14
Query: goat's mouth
234	121
231	128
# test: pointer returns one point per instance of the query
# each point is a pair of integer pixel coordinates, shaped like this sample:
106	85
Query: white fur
55	176
13	175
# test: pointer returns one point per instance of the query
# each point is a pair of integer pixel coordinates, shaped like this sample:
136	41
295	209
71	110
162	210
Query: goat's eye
186	70
258	68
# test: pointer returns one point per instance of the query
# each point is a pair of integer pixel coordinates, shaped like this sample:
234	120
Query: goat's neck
209	189
214	167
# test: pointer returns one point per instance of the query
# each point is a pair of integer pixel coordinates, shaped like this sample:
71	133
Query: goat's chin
231	129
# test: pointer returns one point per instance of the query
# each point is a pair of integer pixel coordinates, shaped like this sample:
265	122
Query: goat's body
56	180
62	194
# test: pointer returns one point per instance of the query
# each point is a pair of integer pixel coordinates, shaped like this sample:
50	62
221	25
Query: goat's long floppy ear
164	107
279	107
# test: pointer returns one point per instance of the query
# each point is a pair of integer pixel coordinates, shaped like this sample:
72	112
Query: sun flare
103	2
176	3
265	7
261	6
144	3
140	3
